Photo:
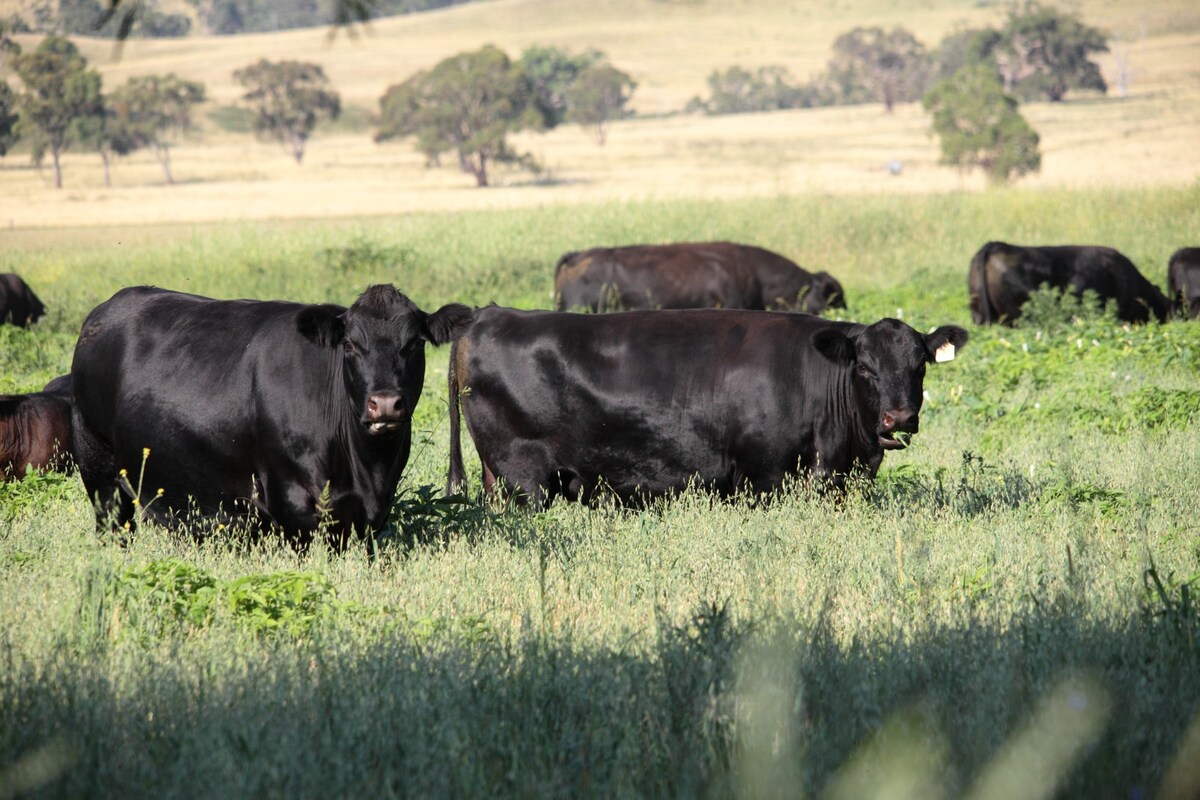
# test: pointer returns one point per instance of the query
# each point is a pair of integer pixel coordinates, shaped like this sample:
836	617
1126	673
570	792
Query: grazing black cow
291	415
1183	281
641	403
1002	276
18	304
694	275
35	432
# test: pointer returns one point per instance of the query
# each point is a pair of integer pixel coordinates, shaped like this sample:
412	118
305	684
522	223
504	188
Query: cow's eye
866	373
348	346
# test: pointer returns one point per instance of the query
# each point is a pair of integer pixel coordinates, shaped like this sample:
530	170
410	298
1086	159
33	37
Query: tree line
468	104
970	83
146	19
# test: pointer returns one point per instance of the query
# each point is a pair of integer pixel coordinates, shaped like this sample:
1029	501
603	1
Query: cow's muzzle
899	421
385	413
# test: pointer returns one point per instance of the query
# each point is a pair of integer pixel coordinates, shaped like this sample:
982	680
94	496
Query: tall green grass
1007	611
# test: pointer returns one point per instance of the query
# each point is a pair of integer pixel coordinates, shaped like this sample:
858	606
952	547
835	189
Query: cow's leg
528	473
98	470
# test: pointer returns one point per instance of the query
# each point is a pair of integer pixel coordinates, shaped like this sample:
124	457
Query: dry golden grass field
1151	137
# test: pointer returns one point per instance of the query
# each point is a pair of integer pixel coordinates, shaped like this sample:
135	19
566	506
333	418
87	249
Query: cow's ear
834	345
323	325
448	323
941	344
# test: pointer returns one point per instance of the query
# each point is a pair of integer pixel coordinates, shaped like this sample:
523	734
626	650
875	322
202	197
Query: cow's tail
456	479
986	313
567	260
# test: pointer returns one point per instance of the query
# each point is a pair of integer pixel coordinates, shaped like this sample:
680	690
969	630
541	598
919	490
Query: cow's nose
384	406
898	419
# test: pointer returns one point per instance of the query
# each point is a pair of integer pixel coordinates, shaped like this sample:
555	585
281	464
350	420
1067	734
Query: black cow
35	433
1002	276
694	275
60	386
290	415
641	403
18	304
1183	281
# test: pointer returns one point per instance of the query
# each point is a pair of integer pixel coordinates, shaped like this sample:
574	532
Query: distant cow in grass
1183	281
691	275
1003	276
18	304
35	433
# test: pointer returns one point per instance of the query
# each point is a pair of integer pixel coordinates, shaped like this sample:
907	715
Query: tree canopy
979	125
466	104
8	117
288	99
737	90
58	89
154	111
890	66
1043	52
551	73
599	94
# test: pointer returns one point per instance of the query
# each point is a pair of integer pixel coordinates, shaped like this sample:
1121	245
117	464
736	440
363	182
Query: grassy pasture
980	622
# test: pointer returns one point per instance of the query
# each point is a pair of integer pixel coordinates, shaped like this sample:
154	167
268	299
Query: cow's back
18	303
669	276
35	431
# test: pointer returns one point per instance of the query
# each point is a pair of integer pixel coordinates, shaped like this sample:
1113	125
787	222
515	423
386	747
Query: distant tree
891	67
736	90
58	88
598	95
155	111
8	117
964	48
1044	52
467	104
154	24
79	17
552	72
979	125
108	134
288	99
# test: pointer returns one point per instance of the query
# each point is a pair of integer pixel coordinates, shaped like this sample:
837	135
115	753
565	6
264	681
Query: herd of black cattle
298	417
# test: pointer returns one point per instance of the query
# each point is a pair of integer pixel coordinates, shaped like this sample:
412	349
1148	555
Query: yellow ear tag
944	353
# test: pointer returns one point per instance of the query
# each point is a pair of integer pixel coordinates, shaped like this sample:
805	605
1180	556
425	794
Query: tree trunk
298	149
107	173
163	153
57	169
481	177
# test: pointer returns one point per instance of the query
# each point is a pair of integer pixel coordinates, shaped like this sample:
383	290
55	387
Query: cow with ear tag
642	404
292	416
883	373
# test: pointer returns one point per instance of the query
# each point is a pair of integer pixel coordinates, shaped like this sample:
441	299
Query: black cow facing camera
293	416
643	403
